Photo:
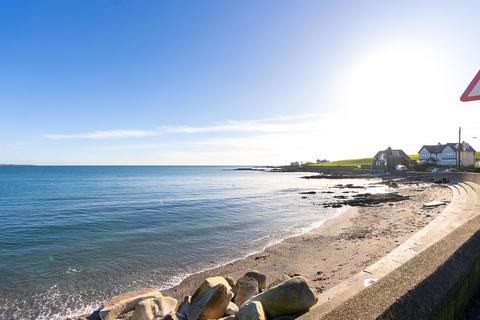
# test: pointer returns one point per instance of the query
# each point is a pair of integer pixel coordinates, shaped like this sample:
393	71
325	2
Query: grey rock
210	304
246	288
276	282
150	308
260	277
170	316
182	310
295	295
210	283
126	302
252	310
232	309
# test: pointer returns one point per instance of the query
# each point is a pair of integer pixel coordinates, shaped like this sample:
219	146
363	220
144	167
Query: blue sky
231	82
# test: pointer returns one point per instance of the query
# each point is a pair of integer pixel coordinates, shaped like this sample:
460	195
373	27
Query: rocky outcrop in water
339	176
368	199
365	200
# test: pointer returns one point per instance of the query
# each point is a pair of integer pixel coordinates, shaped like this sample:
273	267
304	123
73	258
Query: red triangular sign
473	90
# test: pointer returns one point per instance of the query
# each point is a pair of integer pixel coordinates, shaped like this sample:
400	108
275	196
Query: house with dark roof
449	154
388	159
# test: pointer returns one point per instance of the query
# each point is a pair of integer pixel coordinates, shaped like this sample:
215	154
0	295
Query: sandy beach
340	247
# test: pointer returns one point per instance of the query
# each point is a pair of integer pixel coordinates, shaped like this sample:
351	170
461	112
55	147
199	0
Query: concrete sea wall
430	276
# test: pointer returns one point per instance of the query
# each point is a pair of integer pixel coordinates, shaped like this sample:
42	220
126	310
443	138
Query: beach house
448	154
388	159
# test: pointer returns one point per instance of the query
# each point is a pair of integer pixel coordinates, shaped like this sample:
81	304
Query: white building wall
449	153
467	158
448	157
447	162
424	155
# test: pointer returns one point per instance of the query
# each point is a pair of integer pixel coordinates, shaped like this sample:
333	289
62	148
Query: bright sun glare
394	77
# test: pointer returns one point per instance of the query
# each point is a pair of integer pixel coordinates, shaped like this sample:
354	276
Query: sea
74	236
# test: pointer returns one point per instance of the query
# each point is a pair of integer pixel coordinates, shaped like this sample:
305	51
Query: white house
446	154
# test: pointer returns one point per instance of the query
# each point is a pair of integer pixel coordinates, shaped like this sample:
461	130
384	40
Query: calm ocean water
73	236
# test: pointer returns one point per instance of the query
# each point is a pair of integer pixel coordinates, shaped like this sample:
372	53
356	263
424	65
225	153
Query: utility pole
459	149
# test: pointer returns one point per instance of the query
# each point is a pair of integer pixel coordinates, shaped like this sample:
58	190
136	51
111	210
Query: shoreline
339	230
173	290
337	248
340	212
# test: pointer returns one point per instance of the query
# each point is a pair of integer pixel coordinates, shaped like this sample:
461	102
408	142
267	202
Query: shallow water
71	237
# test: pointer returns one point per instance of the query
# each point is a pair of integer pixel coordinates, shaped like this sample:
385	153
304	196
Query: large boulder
260	277
126	302
252	310
232	309
210	304
246	288
148	309
182	310
277	281
210	283
230	281
288	317
295	295
170	316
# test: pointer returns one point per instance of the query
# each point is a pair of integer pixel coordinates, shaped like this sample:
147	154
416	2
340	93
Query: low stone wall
431	276
437	284
450	176
470	176
449	284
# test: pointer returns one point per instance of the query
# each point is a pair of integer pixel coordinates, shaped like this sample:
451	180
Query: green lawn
414	156
346	163
363	161
354	162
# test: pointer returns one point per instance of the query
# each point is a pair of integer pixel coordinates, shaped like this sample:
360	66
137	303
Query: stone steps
464	207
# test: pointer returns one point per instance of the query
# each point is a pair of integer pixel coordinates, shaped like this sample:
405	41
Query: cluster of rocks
349	186
340	176
390	183
248	298
366	200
